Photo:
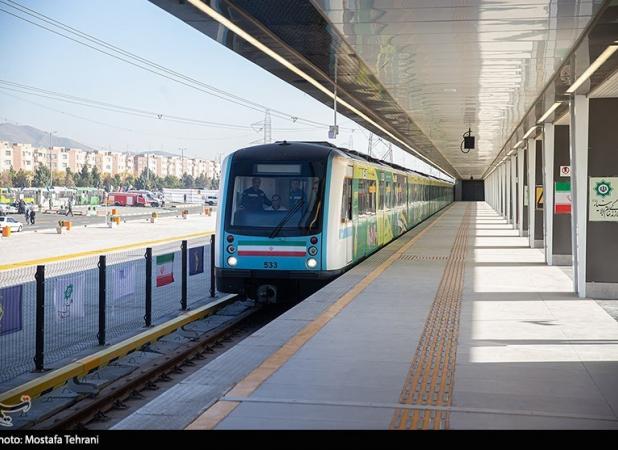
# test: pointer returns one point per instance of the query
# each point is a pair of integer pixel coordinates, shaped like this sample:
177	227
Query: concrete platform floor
376	348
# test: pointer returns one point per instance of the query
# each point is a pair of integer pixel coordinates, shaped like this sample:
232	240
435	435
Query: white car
13	224
8	209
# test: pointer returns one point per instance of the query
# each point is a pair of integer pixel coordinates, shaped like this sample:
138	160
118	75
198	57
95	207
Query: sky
36	57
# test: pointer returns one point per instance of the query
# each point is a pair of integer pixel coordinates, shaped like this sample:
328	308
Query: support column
579	184
502	191
532	183
507	198
520	191
561	245
601	238
548	180
513	164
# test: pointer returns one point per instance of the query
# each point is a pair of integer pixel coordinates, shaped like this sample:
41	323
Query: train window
371	197
262	203
346	201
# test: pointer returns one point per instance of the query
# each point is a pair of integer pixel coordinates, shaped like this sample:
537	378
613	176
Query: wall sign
565	171
562	197
603	197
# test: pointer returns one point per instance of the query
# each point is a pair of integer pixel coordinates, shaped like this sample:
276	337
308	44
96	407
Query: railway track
90	410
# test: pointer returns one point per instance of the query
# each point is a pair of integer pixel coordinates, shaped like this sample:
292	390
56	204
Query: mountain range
25	134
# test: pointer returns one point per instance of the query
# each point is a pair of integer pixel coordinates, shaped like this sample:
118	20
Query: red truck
127	199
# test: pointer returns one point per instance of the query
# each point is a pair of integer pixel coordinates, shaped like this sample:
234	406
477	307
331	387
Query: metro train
295	215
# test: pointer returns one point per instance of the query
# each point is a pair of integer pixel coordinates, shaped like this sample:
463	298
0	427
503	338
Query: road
46	221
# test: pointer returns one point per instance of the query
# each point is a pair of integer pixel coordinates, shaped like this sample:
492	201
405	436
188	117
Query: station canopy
420	73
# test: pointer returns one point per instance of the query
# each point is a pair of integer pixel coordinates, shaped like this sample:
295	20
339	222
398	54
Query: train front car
269	235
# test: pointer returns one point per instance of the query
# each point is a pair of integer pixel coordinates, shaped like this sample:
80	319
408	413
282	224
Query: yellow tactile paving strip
222	408
430	379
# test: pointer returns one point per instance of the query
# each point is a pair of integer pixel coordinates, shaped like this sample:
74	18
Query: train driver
276	203
253	198
296	194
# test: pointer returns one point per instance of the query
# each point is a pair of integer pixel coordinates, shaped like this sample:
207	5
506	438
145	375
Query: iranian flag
265	248
165	269
562	199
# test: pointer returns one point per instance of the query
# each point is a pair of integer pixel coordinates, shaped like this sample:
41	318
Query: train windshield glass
276	198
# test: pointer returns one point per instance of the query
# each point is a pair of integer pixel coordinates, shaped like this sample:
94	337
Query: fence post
102	298
148	314
39	363
212	265
183	298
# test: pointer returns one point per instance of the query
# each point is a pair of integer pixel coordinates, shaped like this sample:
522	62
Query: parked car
13	224
211	199
8	209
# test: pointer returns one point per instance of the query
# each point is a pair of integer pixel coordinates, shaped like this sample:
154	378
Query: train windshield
275	199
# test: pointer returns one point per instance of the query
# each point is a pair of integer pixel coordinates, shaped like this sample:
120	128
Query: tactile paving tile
430	379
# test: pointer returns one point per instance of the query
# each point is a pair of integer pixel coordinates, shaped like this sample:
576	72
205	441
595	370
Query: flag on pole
562	199
165	269
124	281
10	310
69	296
196	260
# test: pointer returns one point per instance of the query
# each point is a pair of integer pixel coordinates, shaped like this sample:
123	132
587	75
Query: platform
456	325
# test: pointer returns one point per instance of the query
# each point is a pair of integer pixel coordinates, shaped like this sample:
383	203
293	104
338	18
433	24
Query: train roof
315	150
364	157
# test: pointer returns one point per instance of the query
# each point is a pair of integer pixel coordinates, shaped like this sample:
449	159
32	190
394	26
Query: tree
107	182
5	179
22	179
214	183
59	178
129	181
85	180
187	181
95	177
69	178
201	182
146	180
171	181
41	176
117	182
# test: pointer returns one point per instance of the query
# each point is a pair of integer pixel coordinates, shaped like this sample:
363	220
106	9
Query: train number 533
270	265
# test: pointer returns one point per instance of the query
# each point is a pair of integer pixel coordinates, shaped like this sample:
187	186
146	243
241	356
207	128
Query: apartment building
26	157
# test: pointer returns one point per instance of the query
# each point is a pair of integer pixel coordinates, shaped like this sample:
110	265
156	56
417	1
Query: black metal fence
51	312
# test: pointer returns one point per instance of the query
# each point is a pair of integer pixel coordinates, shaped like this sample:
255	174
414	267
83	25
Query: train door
347	226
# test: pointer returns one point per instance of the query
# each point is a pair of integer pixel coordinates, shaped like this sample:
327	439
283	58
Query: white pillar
507	182
531	190
513	163
548	182
520	190
579	189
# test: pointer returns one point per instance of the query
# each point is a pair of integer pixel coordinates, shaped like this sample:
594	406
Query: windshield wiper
278	228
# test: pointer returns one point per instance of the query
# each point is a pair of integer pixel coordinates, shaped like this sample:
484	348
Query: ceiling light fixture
529	132
609	51
551	109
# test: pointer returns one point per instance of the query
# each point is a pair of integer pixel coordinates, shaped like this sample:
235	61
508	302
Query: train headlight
230	238
312	263
232	261
230	249
313	251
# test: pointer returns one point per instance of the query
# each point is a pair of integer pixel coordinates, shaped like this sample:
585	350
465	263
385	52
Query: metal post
148	313
183	297
212	265
102	298
39	363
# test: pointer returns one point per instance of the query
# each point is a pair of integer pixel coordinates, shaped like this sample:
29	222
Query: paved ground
47	243
464	328
45	221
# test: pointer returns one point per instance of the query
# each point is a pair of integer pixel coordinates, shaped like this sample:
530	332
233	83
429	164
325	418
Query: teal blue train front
295	215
